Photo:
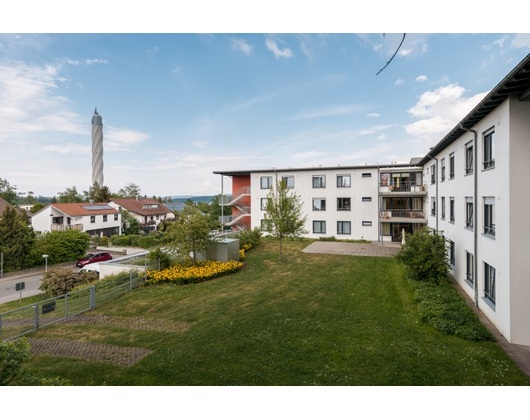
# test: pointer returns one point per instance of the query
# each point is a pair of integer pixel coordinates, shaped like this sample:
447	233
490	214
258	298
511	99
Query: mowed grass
308	320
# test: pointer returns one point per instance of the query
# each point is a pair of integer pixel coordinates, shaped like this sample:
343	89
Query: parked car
93	257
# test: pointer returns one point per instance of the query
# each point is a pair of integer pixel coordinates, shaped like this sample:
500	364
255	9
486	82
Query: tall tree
283	214
98	193
16	238
8	192
191	234
70	195
130	191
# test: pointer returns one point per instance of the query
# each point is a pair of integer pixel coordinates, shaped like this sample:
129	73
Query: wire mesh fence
24	320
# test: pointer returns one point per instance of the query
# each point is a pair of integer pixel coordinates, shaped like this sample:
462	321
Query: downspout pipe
436	180
475	212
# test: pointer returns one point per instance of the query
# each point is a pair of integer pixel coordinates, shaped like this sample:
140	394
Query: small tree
191	234
16	238
131	190
424	256
283	214
13	354
70	195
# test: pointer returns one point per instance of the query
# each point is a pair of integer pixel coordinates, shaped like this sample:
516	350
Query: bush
424	256
188	274
59	281
104	241
250	237
157	256
60	246
442	307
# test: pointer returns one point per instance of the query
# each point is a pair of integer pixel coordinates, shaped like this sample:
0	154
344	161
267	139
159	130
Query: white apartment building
476	199
468	187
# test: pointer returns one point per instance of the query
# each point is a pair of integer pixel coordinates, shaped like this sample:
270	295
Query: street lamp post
45	256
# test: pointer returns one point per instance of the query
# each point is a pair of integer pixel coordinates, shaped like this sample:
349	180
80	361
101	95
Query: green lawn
308	320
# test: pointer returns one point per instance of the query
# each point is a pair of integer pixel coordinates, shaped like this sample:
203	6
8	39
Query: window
367	199
289	181
489	153
469	212
319	204
489	283
433	173
451	166
343	228
319	181
469	158
319	226
343	181
452	253
442	170
115	217
264	225
266	182
489	216
442	209
367	223
367	175
344	204
433	206
452	209
263	204
104	217
469	268
92	219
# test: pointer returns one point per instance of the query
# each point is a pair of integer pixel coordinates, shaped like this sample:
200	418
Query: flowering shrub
241	254
186	274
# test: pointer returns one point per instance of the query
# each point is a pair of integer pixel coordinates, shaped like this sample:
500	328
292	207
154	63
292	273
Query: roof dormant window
150	206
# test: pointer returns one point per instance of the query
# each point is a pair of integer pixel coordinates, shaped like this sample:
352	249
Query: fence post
36	316
93	296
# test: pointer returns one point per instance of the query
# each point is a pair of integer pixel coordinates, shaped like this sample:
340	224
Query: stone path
373	249
93	352
105	353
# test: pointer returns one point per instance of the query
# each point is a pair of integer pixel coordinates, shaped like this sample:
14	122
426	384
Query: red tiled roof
136	206
84	209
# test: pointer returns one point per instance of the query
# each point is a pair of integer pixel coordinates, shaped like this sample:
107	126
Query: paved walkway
373	249
519	354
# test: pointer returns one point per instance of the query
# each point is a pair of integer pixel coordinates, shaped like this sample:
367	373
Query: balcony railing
402	187
61	227
401	214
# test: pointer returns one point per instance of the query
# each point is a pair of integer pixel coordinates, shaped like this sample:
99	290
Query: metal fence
24	320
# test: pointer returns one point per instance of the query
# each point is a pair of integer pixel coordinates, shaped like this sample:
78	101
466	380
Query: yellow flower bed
186	274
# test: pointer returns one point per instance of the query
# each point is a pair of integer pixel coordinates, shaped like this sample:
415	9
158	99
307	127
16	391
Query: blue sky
177	107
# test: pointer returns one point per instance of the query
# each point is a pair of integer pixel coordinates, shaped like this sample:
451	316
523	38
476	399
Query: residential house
148	211
94	218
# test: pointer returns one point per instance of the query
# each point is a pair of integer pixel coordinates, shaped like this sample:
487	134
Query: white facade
490	224
349	211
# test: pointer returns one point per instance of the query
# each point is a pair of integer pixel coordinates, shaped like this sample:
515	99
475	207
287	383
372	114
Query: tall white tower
97	148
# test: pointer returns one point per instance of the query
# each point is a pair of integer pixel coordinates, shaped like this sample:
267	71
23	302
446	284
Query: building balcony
402	189
402	216
61	227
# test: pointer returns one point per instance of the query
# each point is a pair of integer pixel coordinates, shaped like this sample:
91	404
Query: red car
93	257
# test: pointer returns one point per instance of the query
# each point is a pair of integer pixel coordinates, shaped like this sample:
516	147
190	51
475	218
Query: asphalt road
7	287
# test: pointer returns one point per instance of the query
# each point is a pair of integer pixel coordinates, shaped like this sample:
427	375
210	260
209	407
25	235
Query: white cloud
521	41
399	82
242	45
90	62
375	129
176	70
200	144
277	51
421	78
121	139
439	111
153	50
328	112
68	148
373	115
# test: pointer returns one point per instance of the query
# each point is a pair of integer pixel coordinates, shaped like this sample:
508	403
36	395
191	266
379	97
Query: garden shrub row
187	274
